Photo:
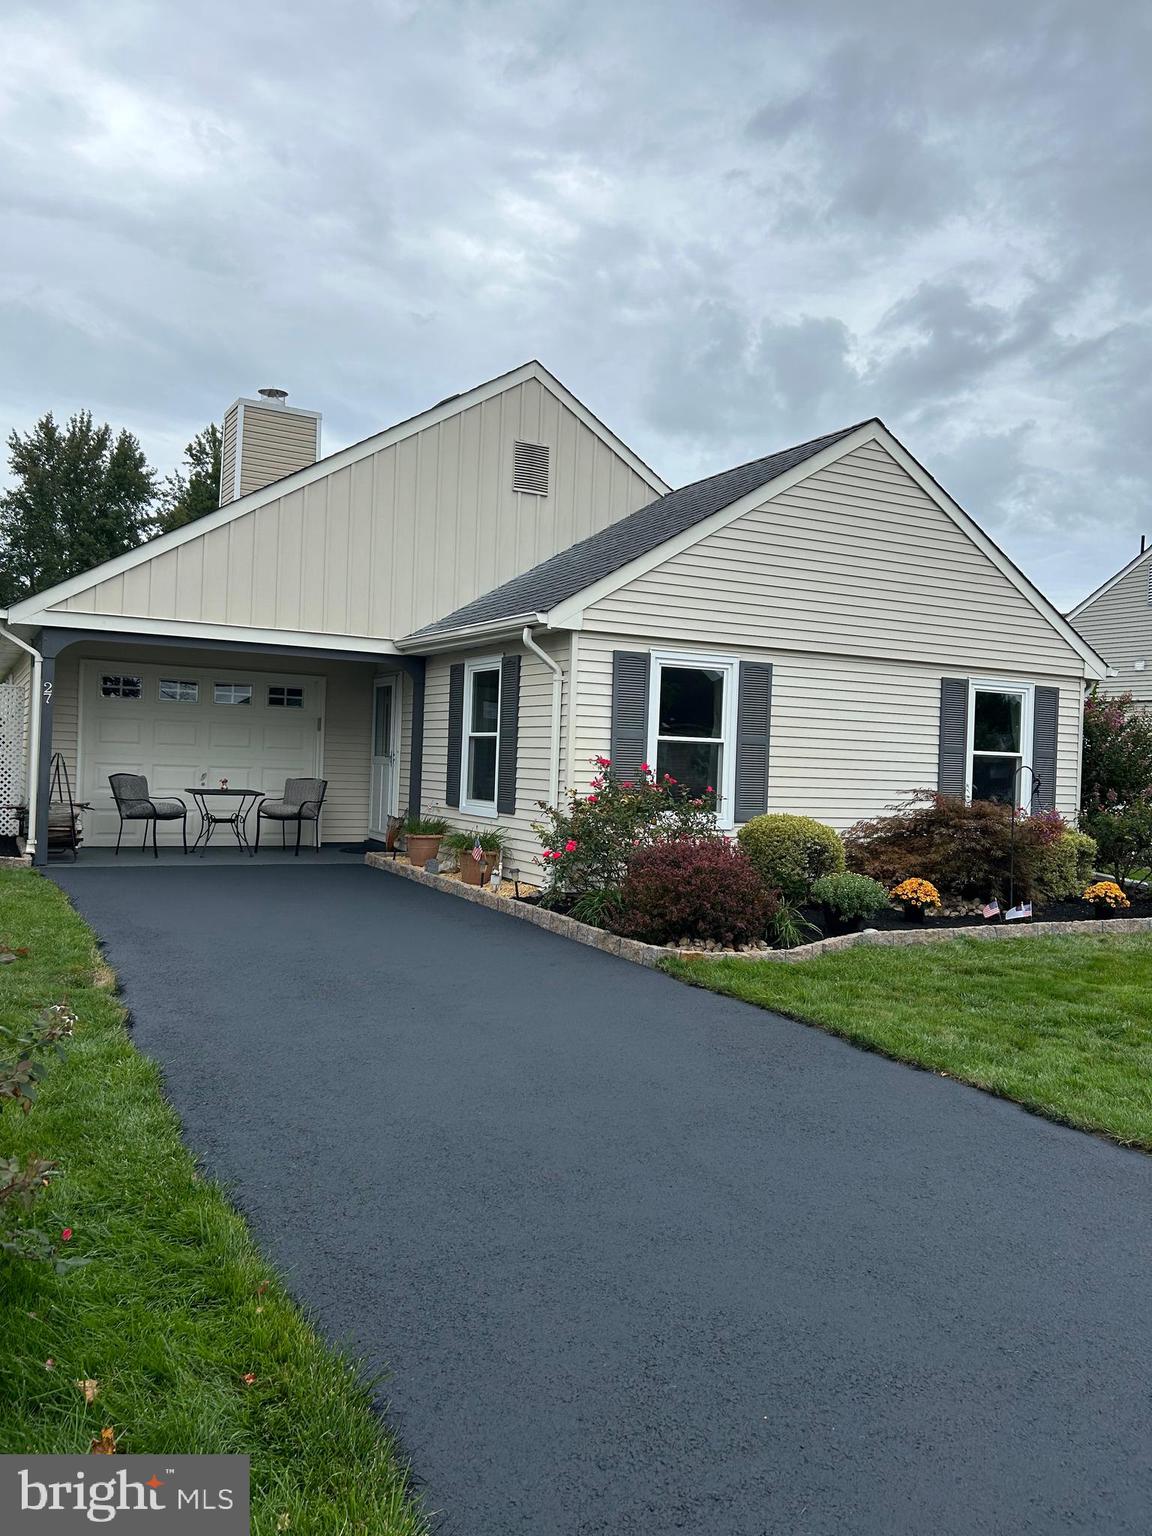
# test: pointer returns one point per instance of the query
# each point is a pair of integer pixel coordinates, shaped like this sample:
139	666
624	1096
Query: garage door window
232	693
179	690
117	687
285	698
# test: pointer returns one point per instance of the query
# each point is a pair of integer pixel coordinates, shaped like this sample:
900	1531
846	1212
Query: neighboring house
1116	620
458	613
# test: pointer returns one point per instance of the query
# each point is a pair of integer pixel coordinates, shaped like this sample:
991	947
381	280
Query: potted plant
1107	899
423	836
490	841
847	900
915	897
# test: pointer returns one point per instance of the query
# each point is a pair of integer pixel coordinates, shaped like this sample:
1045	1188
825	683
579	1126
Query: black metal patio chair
133	803
301	802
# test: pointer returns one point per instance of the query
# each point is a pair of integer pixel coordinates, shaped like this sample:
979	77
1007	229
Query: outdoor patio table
236	818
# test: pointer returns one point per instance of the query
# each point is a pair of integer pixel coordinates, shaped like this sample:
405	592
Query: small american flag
1023	910
477	851
991	909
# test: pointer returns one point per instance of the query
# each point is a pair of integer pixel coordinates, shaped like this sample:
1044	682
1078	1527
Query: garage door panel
228	733
176	733
114	730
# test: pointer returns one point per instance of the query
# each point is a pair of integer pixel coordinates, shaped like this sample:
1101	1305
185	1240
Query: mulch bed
1055	912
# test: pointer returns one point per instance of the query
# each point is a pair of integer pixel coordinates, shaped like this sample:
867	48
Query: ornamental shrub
964	849
1064	867
589	840
850	896
693	887
1117	763
790	852
1124	838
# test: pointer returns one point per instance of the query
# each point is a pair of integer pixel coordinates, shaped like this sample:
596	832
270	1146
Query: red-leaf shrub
964	849
696	888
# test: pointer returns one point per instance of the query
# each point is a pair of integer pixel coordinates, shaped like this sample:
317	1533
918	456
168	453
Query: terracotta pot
421	848
473	873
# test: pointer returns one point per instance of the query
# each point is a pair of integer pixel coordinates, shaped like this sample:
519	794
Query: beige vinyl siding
228	455
850	736
1119	625
532	758
396	539
275	442
856	560
347	717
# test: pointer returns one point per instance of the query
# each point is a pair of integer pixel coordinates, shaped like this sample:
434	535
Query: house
1116	620
457	613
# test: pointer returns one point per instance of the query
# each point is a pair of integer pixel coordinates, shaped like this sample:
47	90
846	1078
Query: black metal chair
133	803
301	802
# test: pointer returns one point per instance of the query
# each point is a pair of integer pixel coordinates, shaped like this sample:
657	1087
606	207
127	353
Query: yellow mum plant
1106	893
916	893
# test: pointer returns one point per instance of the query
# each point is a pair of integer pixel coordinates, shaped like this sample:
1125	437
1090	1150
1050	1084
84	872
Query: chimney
264	440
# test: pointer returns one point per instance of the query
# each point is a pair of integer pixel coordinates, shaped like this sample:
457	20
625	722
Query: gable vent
531	469
1150	588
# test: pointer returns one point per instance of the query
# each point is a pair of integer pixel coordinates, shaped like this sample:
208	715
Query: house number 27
48	692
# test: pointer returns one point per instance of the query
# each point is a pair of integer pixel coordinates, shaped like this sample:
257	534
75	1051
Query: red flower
644	768
708	789
591	799
66	1235
627	784
570	846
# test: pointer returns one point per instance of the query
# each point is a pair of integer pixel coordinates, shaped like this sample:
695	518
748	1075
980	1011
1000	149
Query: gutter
557	672
453	639
33	733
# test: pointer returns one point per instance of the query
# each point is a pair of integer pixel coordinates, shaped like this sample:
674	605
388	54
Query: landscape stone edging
651	954
16	861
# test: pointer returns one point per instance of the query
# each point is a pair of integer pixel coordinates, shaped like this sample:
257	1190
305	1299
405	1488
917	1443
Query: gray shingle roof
573	569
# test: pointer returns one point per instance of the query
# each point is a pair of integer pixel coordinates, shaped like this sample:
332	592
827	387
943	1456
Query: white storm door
384	722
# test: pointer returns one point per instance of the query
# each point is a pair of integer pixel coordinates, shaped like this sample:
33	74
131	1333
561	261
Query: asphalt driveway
641	1259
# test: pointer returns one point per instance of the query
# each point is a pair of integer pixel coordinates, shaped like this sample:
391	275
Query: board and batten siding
533	749
1118	624
347	717
856	559
396	539
850	735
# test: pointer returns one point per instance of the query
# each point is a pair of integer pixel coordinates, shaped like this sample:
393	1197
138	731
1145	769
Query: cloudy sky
727	226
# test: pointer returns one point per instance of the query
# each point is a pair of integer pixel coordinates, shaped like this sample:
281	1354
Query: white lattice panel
13	769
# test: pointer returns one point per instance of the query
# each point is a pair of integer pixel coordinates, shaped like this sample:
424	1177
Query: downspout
33	734
557	672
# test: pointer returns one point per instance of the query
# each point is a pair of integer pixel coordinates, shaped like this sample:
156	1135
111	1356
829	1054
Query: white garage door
183	727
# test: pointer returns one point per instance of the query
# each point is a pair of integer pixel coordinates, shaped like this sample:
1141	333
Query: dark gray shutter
753	730
953	777
509	735
629	748
455	736
1045	720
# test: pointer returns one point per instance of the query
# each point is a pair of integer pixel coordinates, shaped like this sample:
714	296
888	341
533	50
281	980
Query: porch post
414	666
43	768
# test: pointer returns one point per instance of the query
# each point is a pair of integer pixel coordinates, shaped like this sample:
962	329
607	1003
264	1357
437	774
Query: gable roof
562	576
30	609
1086	602
555	591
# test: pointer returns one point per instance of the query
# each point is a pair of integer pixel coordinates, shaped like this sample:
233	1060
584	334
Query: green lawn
1062	1025
177	1306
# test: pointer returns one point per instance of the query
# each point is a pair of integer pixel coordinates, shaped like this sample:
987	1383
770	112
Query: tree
81	495
1117	769
187	496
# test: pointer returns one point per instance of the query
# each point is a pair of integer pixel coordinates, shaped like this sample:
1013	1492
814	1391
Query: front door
384	721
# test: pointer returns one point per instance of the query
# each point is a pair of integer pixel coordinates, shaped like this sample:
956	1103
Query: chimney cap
275	396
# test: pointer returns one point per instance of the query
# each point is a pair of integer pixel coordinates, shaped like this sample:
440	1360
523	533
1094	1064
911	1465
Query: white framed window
692	725
178	690
1000	741
480	743
231	693
285	697
116	686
